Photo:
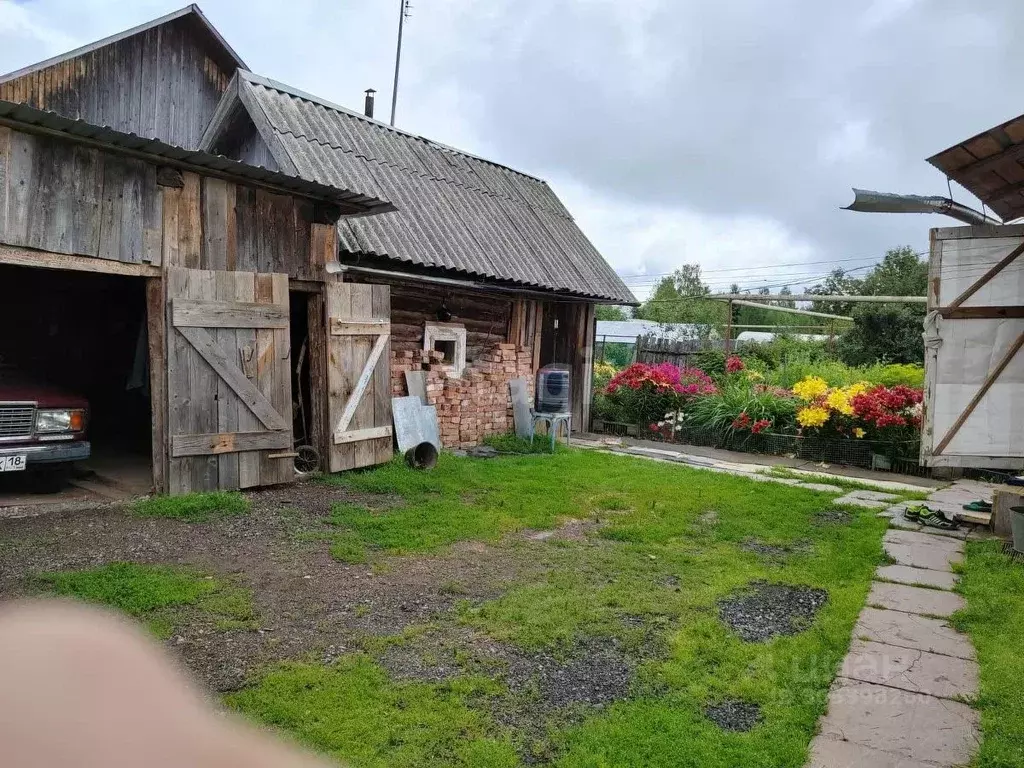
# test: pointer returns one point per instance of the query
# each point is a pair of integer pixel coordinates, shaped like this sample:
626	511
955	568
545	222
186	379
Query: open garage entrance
70	337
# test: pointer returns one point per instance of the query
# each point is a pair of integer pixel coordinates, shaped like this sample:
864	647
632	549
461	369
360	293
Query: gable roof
456	212
192	11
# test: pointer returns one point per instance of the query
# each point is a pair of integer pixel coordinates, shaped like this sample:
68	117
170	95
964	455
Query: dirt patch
833	516
773	551
307	602
764	611
734	715
595	672
570	530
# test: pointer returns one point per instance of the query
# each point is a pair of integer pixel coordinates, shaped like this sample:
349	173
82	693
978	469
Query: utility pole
403	14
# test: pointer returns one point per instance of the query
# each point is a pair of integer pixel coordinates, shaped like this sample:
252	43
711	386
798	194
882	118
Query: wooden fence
652	349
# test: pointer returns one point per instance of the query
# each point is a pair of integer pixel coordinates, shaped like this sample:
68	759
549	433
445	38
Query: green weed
993	586
193	507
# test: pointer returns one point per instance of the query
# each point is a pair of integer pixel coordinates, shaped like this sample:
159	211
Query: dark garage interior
83	334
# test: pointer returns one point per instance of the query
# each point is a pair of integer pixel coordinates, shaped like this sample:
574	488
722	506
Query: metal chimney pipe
368	104
888	202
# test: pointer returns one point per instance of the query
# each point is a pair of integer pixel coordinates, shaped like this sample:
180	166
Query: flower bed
859	424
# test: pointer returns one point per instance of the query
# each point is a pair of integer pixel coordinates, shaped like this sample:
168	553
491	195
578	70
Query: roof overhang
29	119
990	166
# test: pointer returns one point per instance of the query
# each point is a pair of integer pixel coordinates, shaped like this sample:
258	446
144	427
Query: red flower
760	426
733	364
663	378
742	421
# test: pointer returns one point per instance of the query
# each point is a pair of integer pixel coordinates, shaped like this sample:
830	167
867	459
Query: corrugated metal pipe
867	201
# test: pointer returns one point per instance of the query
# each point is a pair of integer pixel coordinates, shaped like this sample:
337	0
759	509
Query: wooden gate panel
229	382
358	382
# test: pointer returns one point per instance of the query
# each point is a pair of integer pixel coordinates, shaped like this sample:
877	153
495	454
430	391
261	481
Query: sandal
978	506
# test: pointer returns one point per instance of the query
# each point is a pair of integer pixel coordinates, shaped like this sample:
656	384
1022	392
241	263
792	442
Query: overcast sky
723	132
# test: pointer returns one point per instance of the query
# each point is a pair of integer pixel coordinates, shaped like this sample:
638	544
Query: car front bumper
55	453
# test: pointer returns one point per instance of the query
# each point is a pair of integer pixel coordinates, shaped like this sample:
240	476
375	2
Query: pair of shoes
929	517
978	506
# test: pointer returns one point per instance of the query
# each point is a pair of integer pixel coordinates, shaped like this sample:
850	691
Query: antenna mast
404	8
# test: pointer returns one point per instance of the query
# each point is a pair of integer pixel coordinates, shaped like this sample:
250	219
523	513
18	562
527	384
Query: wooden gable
163	80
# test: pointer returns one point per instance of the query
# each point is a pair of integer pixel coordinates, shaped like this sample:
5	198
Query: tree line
890	332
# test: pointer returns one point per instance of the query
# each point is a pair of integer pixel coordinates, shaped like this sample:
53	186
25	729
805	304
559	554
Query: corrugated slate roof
455	211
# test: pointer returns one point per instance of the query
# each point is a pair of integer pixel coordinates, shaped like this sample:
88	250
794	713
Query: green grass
193	507
993	586
351	711
152	593
650	578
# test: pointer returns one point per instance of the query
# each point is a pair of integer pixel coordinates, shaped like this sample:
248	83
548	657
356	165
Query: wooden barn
228	267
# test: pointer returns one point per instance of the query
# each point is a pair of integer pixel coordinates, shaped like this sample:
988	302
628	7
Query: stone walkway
898	701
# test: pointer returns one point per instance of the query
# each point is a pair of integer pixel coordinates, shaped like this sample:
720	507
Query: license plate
12	463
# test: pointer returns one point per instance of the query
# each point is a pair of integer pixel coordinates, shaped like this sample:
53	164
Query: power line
765	266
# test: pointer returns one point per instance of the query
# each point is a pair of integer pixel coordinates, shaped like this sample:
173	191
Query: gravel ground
733	715
764	611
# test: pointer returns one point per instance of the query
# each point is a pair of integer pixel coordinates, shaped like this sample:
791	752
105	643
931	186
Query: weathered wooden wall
66	198
163	83
486	316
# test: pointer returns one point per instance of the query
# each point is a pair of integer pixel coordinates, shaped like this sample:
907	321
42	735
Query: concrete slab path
898	699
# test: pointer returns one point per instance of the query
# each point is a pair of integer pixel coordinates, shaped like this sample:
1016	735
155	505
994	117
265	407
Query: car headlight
60	420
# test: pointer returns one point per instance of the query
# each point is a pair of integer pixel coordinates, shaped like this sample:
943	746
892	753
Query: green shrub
720	410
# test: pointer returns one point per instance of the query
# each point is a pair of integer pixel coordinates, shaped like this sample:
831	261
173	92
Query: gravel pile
733	715
764	611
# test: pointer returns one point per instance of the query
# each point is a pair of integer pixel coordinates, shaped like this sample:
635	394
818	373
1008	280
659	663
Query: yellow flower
858	432
754	375
810	388
856	389
839	400
812	416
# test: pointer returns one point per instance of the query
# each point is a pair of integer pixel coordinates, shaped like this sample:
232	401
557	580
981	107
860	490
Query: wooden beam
228	442
194	313
985	386
984	279
364	379
370	433
29	257
156	333
985	164
254	400
359	327
227	108
982	313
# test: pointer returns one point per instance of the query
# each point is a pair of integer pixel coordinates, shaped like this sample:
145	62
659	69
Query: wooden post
728	329
156	330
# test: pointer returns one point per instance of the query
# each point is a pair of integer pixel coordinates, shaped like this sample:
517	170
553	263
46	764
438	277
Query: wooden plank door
229	419
358	383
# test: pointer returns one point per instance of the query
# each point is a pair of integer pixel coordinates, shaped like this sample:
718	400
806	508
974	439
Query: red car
41	427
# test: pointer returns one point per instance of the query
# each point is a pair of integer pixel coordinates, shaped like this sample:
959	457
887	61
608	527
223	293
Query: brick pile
471	406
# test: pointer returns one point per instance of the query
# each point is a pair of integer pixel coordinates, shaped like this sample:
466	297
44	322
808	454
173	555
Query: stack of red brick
471	406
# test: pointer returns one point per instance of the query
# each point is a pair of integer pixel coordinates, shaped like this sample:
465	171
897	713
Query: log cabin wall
163	83
67	198
486	316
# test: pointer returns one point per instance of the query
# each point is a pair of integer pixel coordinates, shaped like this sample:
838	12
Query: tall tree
610	312
676	299
900	273
838	283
